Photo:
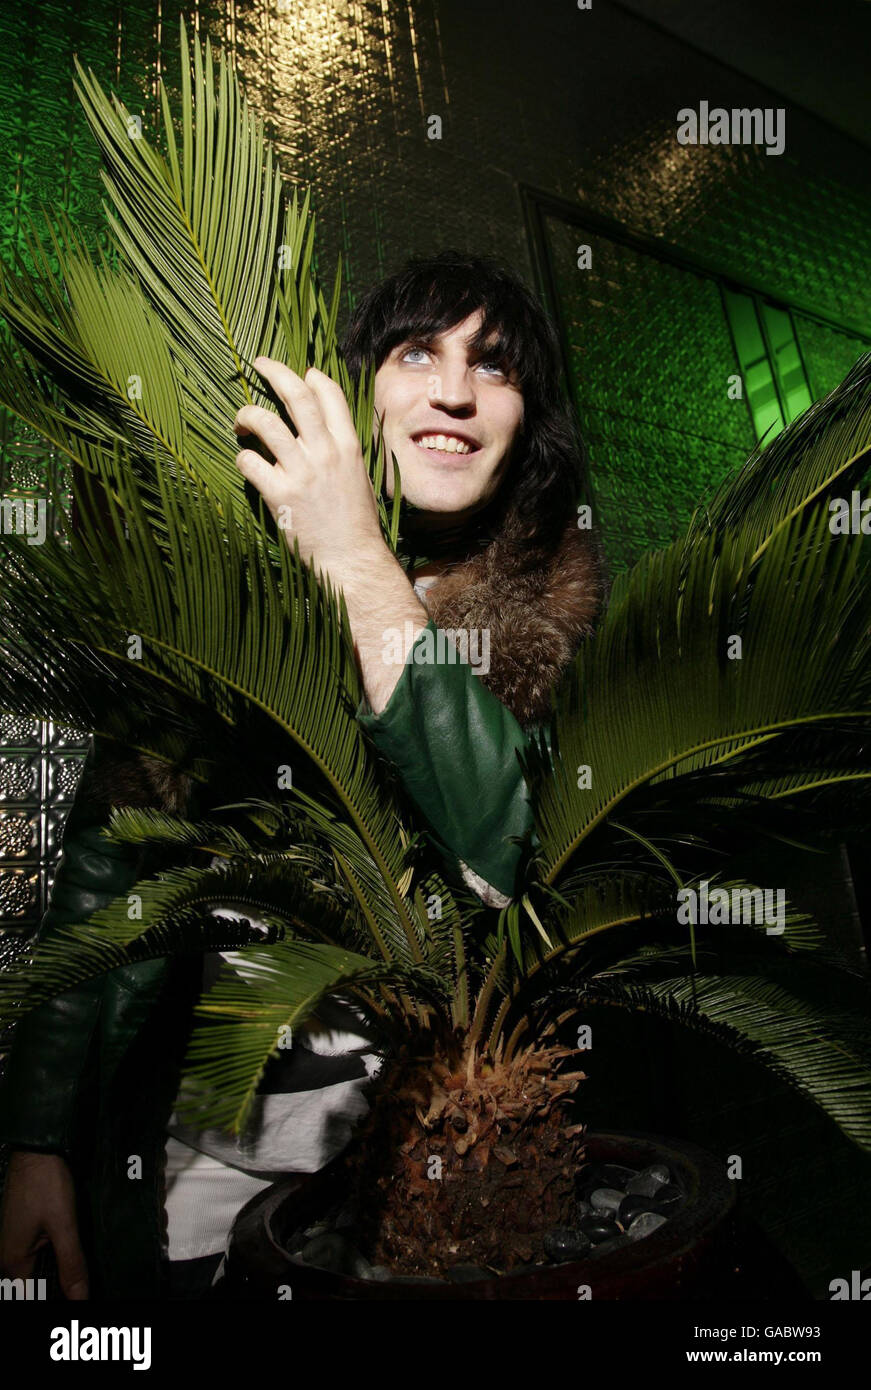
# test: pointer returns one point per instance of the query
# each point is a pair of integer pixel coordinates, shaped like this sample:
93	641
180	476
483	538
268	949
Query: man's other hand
39	1208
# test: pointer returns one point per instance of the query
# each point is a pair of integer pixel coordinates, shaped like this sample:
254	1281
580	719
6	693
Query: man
467	396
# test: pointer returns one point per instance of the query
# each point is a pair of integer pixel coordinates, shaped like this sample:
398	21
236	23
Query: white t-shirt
304	1114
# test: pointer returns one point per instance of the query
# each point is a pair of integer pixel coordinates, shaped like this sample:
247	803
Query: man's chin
446	504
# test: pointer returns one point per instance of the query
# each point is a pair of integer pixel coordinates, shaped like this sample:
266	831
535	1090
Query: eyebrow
428	340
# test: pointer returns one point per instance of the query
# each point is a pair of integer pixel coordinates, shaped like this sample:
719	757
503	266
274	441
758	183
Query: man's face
424	390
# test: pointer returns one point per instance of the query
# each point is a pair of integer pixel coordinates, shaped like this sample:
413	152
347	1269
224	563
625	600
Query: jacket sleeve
454	746
51	1044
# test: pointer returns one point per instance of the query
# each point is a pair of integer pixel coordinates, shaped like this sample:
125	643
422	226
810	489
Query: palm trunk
463	1159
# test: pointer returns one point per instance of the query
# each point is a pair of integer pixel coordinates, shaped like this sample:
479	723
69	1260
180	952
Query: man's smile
447	449
446	441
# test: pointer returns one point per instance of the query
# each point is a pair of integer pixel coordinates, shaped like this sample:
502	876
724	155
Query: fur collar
537	609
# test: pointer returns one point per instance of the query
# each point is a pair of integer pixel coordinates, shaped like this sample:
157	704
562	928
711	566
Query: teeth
447	442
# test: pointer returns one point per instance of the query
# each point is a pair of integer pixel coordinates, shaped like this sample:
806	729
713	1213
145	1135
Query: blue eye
489	365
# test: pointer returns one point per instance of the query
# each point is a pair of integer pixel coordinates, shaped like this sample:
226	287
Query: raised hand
317	490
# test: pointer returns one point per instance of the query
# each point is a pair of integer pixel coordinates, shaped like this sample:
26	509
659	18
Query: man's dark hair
432	295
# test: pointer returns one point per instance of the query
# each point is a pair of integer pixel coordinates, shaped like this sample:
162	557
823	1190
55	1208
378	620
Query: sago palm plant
728	686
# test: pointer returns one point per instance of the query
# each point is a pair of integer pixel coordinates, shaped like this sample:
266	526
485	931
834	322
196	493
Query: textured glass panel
19	836
756	368
22	473
788	367
54	822
19	778
19	731
798	224
828	353
650	356
63	777
19	894
39	770
60	737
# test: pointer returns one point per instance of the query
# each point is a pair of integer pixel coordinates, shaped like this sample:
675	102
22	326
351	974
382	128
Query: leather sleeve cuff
454	746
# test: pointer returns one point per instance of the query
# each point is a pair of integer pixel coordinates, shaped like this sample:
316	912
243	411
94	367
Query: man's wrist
385	618
368	565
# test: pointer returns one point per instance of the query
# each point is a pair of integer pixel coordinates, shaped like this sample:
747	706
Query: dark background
558	131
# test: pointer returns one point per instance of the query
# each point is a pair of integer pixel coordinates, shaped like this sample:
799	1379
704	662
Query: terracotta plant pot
694	1255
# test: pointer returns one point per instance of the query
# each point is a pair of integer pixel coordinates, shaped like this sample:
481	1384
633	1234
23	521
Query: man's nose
451	387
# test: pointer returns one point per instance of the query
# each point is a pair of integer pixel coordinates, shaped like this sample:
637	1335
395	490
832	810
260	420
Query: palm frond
216	268
598	905
223	256
823	1053
655	694
607	910
220	624
825	453
175	914
263	992
141	825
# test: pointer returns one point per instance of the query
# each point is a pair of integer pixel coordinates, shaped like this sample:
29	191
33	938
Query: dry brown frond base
468	1161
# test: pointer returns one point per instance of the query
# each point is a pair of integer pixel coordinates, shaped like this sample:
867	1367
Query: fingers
39	1206
261	474
316	404
269	429
18	1255
20	1235
71	1267
302	404
319	411
334	406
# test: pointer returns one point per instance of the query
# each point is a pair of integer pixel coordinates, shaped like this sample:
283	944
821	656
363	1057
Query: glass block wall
39	771
676	374
658	436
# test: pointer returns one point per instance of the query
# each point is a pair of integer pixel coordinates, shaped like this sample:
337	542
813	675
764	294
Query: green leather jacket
92	1075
